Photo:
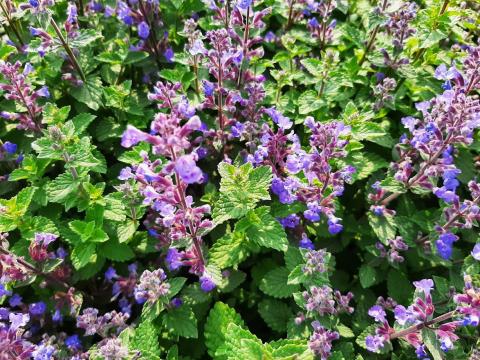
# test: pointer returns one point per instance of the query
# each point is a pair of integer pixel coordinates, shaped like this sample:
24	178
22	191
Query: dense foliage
273	179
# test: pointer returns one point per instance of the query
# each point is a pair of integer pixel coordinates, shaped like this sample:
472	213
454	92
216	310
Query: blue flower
169	54
73	342
206	283
143	30
445	245
37	309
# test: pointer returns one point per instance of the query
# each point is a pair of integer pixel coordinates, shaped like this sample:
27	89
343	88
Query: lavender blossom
151	286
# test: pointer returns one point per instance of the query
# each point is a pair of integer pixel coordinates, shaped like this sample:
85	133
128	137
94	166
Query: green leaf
61	187
291	349
112	250
241	344
145	340
216	326
241	188
383	226
229	251
365	163
82	254
275	313
181	321
89	93
126	230
81	122
263	229
309	102
176	284
432	344
399	287
275	283
368	276
51	114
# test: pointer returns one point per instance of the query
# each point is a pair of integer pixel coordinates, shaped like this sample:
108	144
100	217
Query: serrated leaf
61	187
181	321
275	283
112	250
241	344
145	340
263	229
82	254
81	122
241	188
229	251
216	326
432	344
275	313
126	230
383	226
399	287
367	275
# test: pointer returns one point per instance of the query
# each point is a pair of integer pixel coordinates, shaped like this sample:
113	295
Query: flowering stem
290	14
29	109
245	46
195	70
415	328
152	39
12	25
68	49
33	269
453	219
372	38
220	95
183	203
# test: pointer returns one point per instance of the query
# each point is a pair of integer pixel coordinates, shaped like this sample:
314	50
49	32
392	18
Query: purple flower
44	352
57	316
377	313
445	244
476	252
34	3
174	259
374	343
306	243
320	342
37	309
169	54
132	136
208	88
73	342
151	286
291	221
425	285
110	274
9	147
15	300
188	169
143	30
421	352
283	122
244	4
444	194
206	283
176	302
18	320
334	226
4	292
43	92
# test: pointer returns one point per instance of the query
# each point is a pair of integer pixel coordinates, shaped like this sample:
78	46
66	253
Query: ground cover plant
276	179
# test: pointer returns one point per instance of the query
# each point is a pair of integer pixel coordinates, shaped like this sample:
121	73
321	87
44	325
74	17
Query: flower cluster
448	120
320	341
392	253
165	190
144	15
323	29
151	286
458	215
283	152
420	315
323	301
18	88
